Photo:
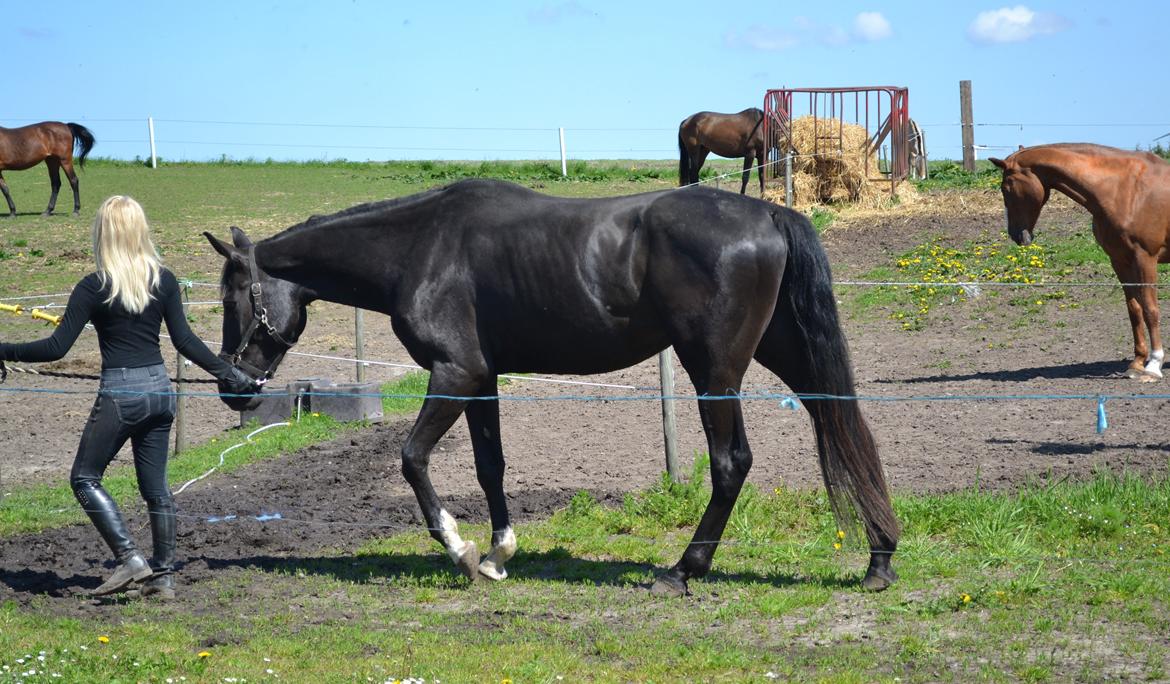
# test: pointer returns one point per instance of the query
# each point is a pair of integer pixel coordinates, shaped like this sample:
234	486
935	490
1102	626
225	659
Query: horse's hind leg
434	419
848	454
67	165
54	181
698	158
483	421
731	459
7	196
747	173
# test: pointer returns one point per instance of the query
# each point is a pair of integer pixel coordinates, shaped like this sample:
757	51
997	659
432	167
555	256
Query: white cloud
867	26
765	38
1014	25
871	26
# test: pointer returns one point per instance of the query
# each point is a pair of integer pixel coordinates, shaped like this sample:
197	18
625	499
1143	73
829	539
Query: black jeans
135	404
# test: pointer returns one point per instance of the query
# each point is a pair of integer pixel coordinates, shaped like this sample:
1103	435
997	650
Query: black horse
484	277
727	135
51	142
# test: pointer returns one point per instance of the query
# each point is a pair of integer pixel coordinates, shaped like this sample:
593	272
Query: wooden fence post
359	342
968	122
666	380
180	395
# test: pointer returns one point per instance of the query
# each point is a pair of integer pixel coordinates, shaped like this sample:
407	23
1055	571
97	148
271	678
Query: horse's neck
322	264
1067	177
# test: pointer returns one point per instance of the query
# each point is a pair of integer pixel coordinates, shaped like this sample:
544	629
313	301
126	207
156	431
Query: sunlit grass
1061	582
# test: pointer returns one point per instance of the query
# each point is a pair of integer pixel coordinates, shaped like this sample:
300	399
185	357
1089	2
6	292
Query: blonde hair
125	256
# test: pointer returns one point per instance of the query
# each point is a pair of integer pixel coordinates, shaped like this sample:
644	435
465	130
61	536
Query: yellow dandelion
505	680
837	545
840	534
966	598
316	414
204	654
104	639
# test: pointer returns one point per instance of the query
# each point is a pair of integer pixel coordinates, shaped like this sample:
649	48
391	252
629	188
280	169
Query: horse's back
26	146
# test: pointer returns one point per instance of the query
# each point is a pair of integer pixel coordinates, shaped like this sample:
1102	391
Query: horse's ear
240	239
220	246
998	162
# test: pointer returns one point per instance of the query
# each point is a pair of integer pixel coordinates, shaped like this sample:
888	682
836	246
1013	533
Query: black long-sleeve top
126	340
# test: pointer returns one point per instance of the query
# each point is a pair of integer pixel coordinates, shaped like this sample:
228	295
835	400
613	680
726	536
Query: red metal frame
830	103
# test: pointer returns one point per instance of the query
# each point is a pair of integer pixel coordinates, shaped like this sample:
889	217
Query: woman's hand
237	382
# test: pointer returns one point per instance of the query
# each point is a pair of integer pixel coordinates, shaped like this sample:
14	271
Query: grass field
995	587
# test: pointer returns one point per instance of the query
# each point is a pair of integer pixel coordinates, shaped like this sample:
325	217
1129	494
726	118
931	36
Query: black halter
259	319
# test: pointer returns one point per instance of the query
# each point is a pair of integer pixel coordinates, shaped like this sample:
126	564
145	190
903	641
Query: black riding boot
102	510
162	531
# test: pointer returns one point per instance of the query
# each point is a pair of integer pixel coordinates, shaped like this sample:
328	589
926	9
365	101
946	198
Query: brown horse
727	135
1128	194
50	142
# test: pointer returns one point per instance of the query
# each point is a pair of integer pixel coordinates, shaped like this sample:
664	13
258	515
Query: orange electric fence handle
37	313
14	309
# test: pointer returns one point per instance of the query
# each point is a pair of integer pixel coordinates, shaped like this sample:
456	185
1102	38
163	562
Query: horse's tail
83	139
684	161
805	345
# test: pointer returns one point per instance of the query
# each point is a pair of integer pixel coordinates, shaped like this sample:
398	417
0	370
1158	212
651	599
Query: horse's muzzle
1022	237
238	402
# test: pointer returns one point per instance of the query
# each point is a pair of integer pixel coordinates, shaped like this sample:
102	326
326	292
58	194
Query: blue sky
455	80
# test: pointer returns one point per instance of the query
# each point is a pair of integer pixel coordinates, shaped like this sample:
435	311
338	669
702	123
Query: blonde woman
127	299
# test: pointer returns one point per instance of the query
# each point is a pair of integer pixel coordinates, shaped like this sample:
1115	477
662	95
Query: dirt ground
610	446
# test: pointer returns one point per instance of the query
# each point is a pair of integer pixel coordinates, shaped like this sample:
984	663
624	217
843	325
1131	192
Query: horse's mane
362	211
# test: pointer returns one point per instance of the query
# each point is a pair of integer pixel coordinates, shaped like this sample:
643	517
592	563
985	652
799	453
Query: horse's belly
574	349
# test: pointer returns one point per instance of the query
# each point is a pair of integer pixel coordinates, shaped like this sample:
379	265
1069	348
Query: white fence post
153	158
564	161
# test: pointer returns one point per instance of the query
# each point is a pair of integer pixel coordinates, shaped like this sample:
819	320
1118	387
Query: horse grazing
484	277
727	135
1128	195
51	142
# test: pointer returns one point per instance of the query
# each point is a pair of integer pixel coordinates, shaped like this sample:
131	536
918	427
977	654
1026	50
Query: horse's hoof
878	579
669	587
1134	373
491	570
1149	377
468	561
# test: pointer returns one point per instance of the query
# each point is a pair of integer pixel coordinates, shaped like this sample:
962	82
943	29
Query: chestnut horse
1128	195
727	135
50	142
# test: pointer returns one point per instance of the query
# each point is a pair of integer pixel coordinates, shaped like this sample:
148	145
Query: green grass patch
989	266
1053	583
947	174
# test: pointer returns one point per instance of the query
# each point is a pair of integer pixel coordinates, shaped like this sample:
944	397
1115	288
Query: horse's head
262	316
1023	197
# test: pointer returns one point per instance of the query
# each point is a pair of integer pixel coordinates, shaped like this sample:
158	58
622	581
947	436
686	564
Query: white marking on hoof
492	567
1154	365
449	531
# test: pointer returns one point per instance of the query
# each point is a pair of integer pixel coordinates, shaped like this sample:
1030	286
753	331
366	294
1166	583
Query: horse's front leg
483	421
434	419
1148	299
7	196
1128	273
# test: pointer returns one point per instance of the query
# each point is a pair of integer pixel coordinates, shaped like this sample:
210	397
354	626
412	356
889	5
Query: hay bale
830	166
